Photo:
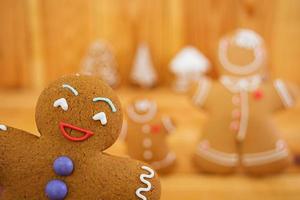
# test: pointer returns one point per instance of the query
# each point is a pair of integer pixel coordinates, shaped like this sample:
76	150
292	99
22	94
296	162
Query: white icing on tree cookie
146	182
143	72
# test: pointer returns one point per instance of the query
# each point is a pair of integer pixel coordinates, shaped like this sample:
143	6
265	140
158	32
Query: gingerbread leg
265	155
213	158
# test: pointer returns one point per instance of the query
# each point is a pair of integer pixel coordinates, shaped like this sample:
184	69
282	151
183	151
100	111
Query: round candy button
63	166
56	190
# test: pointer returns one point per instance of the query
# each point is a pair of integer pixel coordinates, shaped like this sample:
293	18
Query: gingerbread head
60	110
240	130
78	117
147	132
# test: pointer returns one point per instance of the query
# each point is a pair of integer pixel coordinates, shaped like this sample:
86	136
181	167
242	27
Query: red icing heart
155	128
258	94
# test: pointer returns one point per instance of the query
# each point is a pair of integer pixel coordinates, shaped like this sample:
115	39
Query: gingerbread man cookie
240	103
147	130
78	117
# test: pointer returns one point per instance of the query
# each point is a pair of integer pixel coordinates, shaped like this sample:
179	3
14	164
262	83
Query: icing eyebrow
106	100
71	89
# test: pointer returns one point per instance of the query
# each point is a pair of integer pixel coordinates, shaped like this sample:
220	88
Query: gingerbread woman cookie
147	130
78	117
240	103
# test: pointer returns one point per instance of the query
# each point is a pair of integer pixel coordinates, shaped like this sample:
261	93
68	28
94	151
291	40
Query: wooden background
43	39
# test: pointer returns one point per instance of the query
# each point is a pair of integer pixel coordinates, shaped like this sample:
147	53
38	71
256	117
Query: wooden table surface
17	109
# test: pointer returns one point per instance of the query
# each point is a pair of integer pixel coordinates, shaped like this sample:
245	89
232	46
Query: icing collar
238	84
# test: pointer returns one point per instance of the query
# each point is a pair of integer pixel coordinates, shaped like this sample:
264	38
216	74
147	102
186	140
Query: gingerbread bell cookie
78	117
240	130
147	130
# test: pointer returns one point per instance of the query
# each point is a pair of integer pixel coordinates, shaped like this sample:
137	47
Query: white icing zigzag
3	127
142	178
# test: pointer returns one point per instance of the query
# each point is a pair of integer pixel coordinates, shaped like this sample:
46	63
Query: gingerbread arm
14	144
127	178
12	137
200	92
285	93
168	124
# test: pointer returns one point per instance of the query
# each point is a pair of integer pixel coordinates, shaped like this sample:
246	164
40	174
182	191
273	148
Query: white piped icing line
246	39
73	90
218	157
106	100
3	127
168	124
62	102
237	84
168	160
254	159
146	182
283	93
201	94
243	126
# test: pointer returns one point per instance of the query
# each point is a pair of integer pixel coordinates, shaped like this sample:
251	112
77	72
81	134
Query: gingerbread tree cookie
143	72
240	104
147	130
78	117
100	61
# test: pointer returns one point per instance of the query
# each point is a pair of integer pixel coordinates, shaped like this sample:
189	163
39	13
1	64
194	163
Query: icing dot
280	144
148	155
204	144
236	114
234	126
63	166
236	100
146	129
56	190
147	143
258	94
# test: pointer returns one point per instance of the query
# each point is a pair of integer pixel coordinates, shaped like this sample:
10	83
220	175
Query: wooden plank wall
43	39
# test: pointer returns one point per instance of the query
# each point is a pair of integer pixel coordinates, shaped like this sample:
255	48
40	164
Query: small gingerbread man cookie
147	130
240	103
78	117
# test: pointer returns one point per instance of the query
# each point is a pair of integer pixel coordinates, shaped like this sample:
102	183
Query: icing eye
62	102
101	116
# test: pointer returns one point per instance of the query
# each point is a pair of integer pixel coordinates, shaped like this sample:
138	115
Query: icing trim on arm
106	100
168	124
3	127
283	93
146	182
73	90
201	94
